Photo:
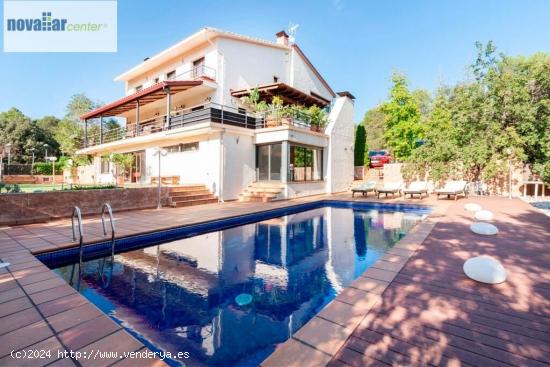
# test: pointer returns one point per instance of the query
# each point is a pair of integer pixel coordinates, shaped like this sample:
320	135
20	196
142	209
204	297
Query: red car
378	158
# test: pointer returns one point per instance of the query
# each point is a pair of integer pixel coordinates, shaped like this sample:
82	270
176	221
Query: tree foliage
22	135
402	127
477	126
361	149
374	121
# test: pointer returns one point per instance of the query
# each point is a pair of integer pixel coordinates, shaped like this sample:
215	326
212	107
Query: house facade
187	102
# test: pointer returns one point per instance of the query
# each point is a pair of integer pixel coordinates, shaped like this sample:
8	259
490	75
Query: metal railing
209	112
196	72
78	215
107	208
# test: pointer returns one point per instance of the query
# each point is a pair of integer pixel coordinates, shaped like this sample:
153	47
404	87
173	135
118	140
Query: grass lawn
39	187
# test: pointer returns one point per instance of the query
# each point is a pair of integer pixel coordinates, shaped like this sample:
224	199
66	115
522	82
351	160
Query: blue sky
355	44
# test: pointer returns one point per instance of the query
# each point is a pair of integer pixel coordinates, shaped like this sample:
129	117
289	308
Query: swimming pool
228	296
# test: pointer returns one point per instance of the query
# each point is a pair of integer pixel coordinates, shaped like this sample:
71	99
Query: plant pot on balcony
286	121
271	122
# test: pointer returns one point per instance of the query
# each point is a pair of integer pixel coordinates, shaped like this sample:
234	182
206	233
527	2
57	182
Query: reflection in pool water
229	297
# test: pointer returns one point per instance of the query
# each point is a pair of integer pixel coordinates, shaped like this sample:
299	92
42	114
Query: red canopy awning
147	95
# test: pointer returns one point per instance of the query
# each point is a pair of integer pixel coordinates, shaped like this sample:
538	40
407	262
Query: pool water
229	297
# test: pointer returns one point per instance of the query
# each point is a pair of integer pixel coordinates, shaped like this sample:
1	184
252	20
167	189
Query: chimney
346	94
282	38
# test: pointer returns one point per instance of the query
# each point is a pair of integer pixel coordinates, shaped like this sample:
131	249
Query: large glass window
305	163
268	162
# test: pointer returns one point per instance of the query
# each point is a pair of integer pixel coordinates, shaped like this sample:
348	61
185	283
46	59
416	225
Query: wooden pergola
134	101
288	94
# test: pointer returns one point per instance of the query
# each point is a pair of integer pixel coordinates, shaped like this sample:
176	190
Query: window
105	165
242	110
190	147
305	164
171	75
138	88
186	147
156	80
198	67
172	148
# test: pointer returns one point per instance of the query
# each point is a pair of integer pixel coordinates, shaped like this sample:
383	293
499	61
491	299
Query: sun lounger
416	188
453	188
390	188
363	188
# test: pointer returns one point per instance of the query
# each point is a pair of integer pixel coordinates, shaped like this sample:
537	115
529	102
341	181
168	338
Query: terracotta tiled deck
431	314
428	314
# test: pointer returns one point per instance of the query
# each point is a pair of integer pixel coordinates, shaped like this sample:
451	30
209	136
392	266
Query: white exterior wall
239	162
246	65
303	78
181	64
193	167
339	173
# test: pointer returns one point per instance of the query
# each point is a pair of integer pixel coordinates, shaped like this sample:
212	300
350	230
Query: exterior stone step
180	204
176	199
189	193
188	188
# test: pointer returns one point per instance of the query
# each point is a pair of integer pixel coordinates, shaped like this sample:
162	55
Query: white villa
188	100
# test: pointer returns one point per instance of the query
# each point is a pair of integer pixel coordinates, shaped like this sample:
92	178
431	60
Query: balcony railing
197	72
210	112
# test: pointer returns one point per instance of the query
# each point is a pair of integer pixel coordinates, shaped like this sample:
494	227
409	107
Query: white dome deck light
483	228
485	269
483	215
472	207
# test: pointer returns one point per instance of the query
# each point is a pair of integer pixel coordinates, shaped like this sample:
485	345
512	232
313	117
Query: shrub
45	168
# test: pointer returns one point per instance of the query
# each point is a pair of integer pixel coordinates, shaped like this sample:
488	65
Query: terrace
413	306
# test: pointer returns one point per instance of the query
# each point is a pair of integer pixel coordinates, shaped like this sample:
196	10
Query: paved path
431	314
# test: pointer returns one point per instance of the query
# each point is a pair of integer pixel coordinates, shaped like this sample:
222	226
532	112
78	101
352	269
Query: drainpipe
222	165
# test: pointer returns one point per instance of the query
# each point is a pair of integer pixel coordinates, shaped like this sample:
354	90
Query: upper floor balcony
206	113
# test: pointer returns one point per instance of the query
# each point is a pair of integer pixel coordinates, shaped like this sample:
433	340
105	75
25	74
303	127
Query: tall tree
374	121
403	129
361	148
23	135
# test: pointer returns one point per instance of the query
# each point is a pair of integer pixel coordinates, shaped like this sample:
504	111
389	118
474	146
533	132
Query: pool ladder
77	214
107	208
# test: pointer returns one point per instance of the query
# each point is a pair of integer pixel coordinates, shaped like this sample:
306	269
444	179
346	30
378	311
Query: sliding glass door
268	162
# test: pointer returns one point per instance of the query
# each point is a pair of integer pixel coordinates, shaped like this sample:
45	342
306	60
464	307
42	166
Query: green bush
91	187
45	168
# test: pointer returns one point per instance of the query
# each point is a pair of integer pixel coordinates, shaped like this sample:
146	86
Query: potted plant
317	118
123	162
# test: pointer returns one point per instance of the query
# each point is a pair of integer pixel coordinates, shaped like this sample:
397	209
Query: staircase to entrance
262	191
189	195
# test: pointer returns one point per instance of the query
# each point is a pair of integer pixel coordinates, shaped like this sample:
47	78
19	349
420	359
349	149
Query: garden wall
392	173
23	208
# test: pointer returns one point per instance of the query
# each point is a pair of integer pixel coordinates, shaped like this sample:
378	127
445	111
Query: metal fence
16	169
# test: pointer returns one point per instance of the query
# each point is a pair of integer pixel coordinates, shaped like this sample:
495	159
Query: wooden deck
431	314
